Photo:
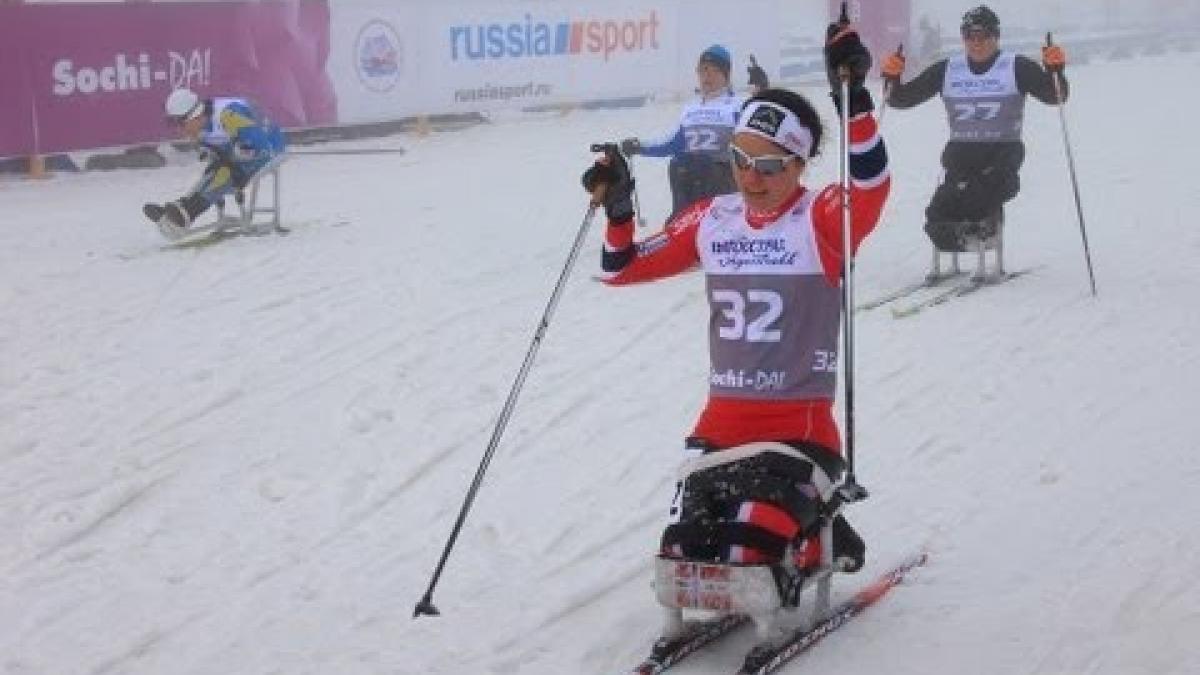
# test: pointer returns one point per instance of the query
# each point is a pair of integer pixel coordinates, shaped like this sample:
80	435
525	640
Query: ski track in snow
246	457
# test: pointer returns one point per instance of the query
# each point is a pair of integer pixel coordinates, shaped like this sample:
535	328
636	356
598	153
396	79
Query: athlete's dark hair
798	106
981	18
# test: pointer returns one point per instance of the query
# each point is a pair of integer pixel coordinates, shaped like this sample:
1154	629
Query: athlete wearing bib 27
984	91
766	448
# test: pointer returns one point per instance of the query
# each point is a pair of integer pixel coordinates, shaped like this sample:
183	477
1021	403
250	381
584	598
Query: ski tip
914	560
877	589
918	559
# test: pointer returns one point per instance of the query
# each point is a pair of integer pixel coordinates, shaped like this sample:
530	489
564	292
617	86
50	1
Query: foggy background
1042	15
1031	14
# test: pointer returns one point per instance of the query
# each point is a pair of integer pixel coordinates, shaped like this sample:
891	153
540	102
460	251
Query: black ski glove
613	172
631	147
860	100
844	51
758	76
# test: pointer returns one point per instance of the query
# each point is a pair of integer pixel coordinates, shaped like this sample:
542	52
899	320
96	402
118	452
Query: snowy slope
246	458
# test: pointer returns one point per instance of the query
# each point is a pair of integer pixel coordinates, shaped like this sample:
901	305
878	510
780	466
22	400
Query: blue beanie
719	57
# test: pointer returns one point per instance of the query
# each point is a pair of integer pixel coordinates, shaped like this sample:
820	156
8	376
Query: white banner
375	62
390	60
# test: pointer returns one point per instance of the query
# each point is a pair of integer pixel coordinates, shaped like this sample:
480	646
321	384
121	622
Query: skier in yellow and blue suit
237	140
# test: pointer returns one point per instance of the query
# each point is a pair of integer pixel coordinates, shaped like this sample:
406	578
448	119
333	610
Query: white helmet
183	104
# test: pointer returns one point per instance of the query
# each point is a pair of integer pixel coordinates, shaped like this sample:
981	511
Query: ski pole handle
610	150
887	88
887	81
1054	74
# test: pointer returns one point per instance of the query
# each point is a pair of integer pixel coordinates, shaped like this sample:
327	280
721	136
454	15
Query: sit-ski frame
760	592
248	209
979	246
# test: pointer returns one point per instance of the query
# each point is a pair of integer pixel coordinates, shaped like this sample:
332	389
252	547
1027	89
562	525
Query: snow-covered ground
247	458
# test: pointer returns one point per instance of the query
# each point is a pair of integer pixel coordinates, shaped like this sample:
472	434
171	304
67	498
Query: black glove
217	161
758	77
844	51
213	155
613	172
631	147
860	100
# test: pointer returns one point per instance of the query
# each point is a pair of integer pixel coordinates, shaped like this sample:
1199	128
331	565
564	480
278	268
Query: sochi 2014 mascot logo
378	56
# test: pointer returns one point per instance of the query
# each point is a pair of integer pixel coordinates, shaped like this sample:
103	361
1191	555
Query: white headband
776	124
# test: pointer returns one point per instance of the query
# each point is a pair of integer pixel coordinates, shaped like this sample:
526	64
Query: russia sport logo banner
532	37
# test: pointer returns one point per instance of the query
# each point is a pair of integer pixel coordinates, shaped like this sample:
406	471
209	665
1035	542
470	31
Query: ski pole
637	207
849	490
1062	117
425	606
349	151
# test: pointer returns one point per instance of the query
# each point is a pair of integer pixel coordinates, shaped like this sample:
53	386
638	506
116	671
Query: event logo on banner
113	64
190	68
378	56
532	37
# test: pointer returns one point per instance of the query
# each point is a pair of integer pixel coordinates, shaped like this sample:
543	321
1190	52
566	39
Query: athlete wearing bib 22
766	450
699	145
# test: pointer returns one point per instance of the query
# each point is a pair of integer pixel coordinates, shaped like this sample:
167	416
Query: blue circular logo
378	56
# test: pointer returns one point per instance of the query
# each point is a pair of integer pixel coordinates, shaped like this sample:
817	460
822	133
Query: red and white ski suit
773	295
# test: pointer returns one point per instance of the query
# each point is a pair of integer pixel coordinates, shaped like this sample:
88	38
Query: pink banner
85	76
882	25
16	101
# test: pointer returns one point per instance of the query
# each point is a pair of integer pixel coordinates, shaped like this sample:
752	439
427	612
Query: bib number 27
976	111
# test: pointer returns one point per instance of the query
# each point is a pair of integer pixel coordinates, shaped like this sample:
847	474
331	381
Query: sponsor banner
97	75
81	76
392	60
375	60
527	53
